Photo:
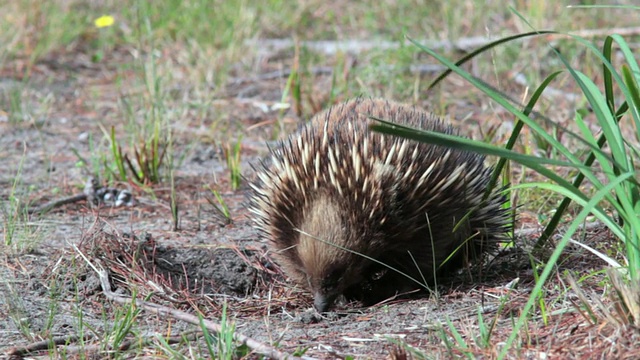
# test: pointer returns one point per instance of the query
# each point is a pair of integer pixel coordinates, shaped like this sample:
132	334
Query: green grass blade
606	73
504	103
532	162
482	49
631	83
461	143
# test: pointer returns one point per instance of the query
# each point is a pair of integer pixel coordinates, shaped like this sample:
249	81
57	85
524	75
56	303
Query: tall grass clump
608	165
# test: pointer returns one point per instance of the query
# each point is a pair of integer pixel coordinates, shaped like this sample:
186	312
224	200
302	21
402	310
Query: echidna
345	209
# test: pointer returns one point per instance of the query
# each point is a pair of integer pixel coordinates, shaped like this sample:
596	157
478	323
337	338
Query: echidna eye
332	280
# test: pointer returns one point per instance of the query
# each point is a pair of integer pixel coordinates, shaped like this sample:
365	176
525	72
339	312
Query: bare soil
49	290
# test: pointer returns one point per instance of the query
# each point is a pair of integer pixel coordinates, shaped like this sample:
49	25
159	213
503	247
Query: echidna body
346	209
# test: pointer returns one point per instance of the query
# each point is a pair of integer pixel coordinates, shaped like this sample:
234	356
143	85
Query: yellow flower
104	21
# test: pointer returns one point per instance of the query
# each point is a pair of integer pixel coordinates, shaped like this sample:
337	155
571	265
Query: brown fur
337	196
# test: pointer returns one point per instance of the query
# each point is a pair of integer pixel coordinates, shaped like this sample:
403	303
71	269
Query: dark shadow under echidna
337	201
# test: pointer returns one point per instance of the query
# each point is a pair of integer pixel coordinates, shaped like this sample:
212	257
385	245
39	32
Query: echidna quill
346	209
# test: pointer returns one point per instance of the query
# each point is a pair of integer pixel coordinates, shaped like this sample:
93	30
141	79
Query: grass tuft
619	190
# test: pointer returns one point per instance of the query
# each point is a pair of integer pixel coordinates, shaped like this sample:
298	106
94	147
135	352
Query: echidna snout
338	201
324	261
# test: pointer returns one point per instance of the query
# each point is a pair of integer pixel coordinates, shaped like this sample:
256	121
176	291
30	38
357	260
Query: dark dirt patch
199	270
224	271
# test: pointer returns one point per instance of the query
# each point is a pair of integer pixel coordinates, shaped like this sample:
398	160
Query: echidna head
329	280
329	252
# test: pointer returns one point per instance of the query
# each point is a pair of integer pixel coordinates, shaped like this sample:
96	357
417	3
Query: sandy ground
49	289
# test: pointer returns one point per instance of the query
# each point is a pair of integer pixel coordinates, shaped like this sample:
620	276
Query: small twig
44	345
93	193
128	344
255	345
46	207
89	192
69	349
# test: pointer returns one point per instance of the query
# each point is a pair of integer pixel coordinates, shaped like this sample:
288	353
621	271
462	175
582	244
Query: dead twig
89	191
93	348
93	192
46	207
20	351
256	346
128	344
